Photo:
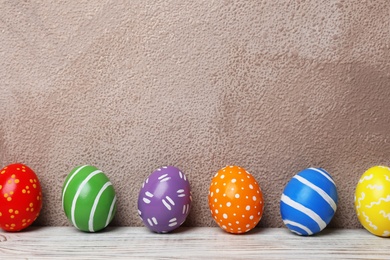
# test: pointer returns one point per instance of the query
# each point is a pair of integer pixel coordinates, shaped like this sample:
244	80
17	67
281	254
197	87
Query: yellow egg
372	200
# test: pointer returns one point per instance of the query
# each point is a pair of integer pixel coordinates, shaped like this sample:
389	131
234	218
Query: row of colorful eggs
307	205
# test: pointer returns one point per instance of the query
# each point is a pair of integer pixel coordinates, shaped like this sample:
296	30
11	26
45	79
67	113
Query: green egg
88	198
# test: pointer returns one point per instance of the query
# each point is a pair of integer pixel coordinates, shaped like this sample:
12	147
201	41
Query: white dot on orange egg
251	186
237	195
251	217
217	190
254	198
248	207
222	176
216	211
234	180
228	204
225	216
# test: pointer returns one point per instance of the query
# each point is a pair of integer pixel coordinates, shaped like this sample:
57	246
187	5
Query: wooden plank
201	242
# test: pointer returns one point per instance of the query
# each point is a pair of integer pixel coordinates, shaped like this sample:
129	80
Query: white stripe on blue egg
309	201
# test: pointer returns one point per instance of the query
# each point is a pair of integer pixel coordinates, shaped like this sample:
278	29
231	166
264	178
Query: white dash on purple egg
165	179
166	204
172	220
150	195
150	222
163	176
172	224
147	201
181	193
170	200
184	209
181	175
154	220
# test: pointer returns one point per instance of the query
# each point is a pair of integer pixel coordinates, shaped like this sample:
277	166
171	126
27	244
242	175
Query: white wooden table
190	243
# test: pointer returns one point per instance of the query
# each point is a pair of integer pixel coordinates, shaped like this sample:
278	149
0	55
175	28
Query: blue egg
309	201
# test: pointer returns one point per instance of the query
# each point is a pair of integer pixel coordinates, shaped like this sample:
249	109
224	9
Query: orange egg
235	200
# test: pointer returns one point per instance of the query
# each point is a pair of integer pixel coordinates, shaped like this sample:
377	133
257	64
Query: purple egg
165	199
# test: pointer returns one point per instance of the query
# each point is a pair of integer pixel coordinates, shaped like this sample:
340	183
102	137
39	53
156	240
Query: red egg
235	200
20	197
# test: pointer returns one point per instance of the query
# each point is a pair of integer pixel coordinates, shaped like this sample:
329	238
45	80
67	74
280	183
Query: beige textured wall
272	86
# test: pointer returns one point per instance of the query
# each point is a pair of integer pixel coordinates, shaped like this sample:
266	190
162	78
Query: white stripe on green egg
88	198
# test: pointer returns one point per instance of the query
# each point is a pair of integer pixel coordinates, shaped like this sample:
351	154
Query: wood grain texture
190	243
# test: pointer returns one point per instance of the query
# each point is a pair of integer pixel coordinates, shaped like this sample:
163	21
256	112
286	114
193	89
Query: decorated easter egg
309	201
235	200
88	198
164	200
20	197
372	200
